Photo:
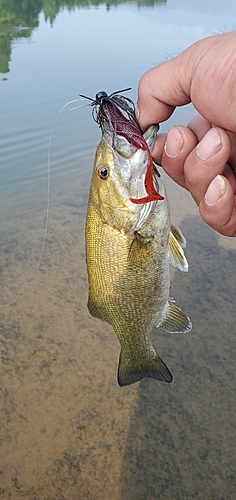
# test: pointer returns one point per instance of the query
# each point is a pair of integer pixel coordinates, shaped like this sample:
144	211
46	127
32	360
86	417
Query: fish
129	249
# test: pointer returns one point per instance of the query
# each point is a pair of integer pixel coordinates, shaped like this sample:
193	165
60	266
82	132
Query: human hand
202	156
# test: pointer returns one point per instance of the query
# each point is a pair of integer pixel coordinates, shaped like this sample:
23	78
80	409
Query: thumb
203	74
161	89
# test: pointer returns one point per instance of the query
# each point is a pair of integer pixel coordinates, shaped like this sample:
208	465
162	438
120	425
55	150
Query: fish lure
108	109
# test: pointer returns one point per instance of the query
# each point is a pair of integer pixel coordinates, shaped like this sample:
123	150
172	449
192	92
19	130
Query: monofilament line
47	207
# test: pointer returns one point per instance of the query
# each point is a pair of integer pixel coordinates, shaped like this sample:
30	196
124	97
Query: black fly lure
109	108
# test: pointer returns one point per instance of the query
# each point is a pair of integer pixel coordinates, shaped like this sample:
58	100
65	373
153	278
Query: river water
67	430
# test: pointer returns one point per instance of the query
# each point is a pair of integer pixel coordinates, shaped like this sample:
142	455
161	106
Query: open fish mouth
115	115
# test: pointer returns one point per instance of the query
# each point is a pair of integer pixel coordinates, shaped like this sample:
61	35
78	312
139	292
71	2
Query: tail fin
131	371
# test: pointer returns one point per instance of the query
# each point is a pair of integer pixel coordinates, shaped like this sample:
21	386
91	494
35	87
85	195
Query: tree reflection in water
18	18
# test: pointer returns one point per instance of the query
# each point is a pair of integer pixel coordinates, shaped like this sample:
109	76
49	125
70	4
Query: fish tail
133	370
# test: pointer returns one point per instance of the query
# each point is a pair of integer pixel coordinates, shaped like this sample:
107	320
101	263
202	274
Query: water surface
67	429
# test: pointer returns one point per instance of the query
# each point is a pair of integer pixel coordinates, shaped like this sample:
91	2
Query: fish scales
128	251
124	281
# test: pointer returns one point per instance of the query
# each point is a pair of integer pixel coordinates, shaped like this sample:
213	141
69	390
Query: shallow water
67	430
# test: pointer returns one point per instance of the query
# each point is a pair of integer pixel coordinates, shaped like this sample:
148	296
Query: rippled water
67	429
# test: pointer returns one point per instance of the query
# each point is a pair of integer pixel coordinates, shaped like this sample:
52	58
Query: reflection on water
18	19
67	430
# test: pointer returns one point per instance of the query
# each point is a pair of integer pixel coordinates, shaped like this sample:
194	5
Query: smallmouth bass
129	247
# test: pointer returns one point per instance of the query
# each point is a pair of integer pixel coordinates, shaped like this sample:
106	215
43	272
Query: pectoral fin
176	244
174	320
131	371
95	310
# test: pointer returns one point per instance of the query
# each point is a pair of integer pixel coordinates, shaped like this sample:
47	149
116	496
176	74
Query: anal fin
174	320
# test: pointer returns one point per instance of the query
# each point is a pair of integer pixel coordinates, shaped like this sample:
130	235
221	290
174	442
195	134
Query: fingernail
215	190
209	145
174	143
137	113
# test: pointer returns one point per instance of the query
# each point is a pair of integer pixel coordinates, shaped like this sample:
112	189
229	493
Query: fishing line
47	203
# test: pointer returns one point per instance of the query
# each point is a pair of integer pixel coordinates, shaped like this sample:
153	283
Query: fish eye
103	172
100	95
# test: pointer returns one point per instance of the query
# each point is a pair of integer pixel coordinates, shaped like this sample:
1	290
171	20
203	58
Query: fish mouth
139	162
123	133
132	166
121	145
